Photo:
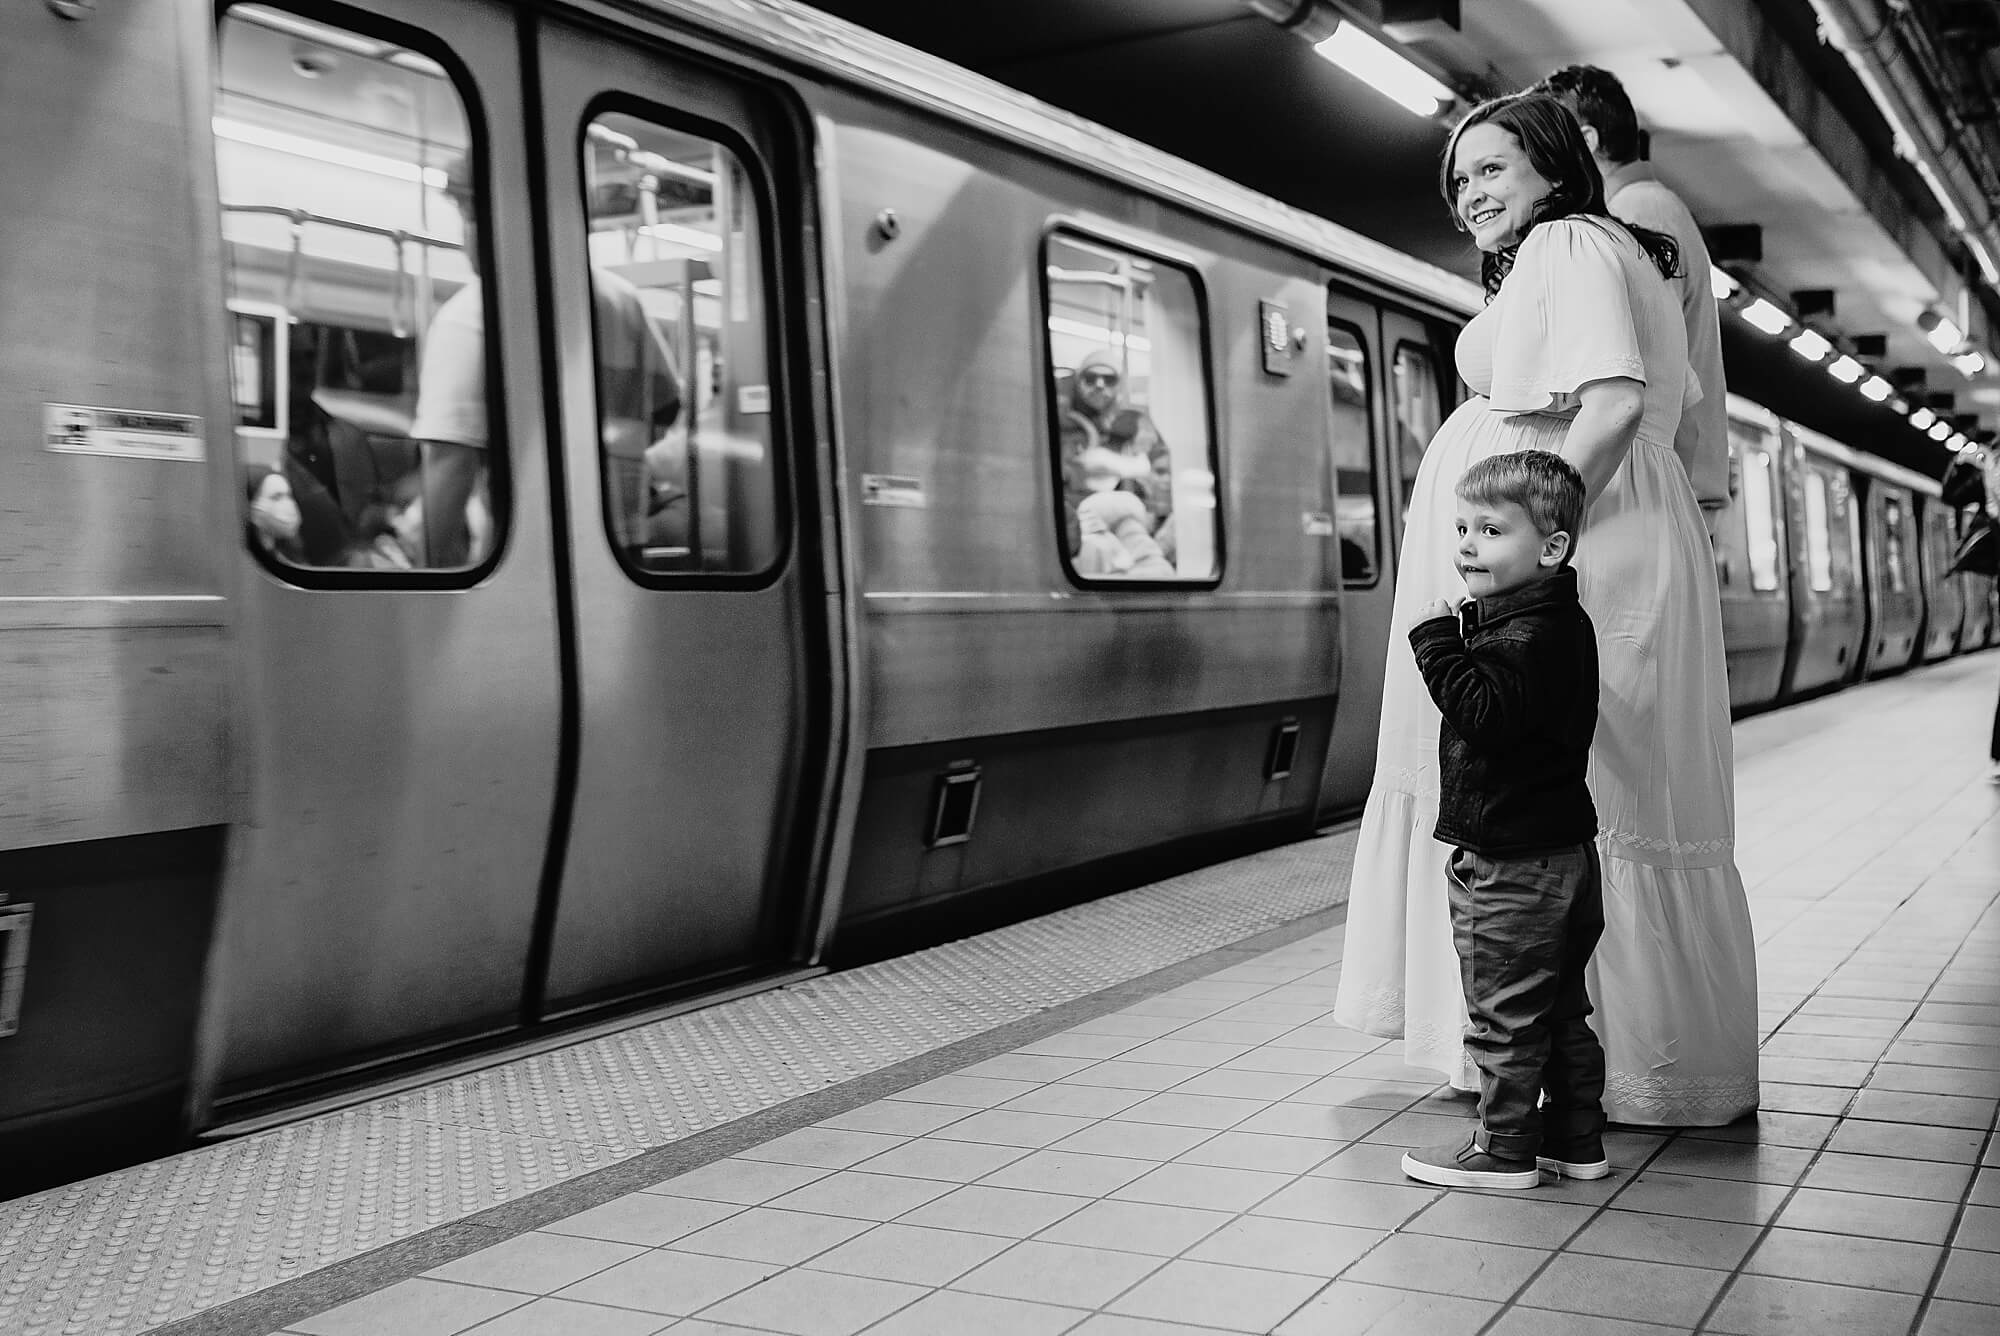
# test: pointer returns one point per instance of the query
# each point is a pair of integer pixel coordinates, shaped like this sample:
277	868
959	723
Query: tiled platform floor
1220	1157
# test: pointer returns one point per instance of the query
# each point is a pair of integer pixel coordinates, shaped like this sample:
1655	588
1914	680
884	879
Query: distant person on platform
1637	195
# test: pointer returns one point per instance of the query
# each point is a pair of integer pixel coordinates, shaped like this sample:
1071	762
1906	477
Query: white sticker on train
891	489
81	430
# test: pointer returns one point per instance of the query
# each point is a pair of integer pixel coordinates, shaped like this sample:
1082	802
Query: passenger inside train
1124	343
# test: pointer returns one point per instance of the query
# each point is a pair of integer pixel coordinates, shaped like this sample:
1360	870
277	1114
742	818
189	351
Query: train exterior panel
887	499
1751	558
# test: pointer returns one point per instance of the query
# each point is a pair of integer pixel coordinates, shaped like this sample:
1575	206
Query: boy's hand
1431	611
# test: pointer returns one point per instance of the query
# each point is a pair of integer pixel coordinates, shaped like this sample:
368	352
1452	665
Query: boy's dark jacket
1519	698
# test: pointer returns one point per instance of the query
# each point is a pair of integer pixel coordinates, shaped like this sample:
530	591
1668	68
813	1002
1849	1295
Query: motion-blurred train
1018	519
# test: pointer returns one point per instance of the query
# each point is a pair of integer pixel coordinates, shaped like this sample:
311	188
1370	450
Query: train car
1752	555
552	516
1897	607
1829	602
1944	594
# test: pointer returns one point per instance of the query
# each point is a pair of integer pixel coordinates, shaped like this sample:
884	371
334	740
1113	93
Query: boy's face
1499	549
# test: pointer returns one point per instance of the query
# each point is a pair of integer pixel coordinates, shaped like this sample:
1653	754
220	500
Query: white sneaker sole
1460	1178
1571	1169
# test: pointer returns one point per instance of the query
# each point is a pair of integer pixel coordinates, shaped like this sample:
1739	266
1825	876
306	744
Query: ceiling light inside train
1922	418
1811	345
1767	317
1385	70
1721	284
1970	362
1875	388
1846	370
318	150
1940	331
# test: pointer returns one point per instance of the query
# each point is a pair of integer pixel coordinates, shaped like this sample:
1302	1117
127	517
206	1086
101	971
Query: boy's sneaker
1582	1158
1467	1166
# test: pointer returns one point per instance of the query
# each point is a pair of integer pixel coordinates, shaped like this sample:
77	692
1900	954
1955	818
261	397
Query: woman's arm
1601	433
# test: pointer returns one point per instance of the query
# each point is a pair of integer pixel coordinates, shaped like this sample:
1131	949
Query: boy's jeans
1524	929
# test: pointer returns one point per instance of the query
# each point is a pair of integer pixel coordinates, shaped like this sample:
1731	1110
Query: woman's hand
1601	433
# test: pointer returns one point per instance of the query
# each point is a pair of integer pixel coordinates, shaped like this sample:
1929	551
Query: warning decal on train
81	430
891	489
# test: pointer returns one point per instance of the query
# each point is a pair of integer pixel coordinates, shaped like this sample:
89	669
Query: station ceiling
1752	116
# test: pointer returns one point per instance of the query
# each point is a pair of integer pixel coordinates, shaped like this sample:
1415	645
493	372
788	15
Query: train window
1895	544
358	351
1418	412
1128	391
681	332
1819	533
1756	502
1353	455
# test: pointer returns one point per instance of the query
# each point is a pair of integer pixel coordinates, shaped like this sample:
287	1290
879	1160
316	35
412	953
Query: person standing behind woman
1636	195
1581	350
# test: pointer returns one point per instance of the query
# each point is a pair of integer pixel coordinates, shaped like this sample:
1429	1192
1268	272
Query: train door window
1895	544
1359	526
1128	390
681	335
1755	498
345	163
1418	412
1819	534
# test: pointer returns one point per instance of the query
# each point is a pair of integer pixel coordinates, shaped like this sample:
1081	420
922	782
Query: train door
677	240
1362	491
400	699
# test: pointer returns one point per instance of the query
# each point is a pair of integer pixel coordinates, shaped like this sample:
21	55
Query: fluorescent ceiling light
691	237
1875	388
1721	284
1957	442
1810	345
1940	431
1846	370
1767	317
1385	70
1943	334
1969	363
1922	419
258	136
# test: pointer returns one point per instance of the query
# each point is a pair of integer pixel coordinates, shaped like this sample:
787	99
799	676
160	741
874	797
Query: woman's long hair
1553	142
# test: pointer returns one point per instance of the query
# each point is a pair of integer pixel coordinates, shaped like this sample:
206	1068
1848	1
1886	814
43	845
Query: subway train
525	518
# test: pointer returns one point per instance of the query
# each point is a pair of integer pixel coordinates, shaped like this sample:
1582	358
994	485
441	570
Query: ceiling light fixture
1922	419
1811	345
1846	370
1722	284
1939	330
1940	431
1767	317
1970	363
1875	388
1385	69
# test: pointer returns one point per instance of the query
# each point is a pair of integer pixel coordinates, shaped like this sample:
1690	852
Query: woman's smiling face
1494	188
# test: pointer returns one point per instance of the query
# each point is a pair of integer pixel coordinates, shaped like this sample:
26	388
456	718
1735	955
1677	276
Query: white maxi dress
1674	979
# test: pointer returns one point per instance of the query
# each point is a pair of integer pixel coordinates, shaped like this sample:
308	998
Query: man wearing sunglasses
1097	414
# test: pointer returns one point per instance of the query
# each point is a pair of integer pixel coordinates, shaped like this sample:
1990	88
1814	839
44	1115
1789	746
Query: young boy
1515	675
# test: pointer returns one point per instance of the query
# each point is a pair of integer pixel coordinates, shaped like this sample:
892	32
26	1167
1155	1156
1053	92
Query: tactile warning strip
132	1250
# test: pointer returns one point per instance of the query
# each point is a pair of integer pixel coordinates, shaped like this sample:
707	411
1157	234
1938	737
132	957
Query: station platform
1136	1116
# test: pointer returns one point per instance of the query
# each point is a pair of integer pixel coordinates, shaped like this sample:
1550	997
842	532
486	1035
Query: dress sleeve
1564	318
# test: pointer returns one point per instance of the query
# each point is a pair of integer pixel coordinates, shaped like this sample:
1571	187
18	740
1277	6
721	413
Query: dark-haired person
1635	193
1580	351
